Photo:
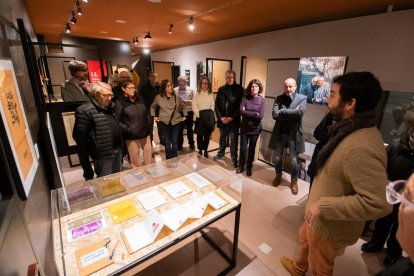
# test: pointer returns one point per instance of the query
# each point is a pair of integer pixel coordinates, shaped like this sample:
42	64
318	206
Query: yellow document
123	210
110	186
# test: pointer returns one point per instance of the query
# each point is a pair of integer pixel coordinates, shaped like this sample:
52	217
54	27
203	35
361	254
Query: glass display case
111	224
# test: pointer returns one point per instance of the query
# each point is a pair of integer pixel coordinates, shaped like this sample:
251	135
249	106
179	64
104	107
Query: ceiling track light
67	29
191	24
79	11
135	40
170	29
148	36
73	19
85	1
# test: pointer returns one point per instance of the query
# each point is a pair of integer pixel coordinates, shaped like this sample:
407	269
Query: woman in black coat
135	123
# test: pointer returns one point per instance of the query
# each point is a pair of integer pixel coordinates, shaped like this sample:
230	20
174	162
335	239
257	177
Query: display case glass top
109	223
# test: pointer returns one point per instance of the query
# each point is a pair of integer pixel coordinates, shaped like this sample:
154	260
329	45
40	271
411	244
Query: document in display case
142	212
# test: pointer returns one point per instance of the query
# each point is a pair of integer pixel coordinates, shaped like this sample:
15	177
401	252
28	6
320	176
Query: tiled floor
269	216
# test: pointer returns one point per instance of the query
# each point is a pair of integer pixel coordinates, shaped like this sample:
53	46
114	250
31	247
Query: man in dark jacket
400	166
288	110
227	110
149	91
97	133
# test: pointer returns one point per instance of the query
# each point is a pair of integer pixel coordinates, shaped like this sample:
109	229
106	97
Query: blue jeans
247	140
284	142
232	132
106	166
171	140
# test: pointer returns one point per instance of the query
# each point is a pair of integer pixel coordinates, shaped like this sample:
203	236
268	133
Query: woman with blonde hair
203	108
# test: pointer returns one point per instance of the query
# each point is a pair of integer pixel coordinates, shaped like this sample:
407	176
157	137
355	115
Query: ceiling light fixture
86	1
135	40
73	19
191	24
146	51
170	29
79	11
67	29
148	36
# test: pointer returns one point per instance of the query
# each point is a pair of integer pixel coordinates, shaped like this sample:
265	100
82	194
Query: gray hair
76	65
96	87
182	78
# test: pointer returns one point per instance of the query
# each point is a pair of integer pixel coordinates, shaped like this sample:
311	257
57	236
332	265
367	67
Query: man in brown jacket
349	186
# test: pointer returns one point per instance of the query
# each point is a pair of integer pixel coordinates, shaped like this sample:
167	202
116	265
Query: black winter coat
400	159
93	134
228	103
133	117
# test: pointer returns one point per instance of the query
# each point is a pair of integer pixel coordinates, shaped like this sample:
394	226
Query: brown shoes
278	179
294	187
288	265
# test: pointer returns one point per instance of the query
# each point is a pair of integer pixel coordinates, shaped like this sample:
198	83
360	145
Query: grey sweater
164	108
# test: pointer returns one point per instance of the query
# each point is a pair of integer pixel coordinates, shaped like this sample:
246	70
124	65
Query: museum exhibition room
220	137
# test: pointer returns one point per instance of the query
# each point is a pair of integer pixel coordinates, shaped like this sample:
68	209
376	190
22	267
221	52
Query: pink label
86	229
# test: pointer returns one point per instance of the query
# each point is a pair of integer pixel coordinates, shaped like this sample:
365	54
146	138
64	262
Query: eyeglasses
106	95
130	87
395	193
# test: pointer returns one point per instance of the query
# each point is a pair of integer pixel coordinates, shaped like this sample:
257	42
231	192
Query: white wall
382	44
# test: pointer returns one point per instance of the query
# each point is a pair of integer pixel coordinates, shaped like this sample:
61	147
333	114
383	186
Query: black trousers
386	227
187	124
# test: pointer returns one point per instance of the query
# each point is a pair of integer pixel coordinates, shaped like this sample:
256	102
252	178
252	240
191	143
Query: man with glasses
77	89
227	109
350	178
97	133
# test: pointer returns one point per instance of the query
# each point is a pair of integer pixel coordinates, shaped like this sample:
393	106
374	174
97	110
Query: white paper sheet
175	217
158	171
151	199
196	207
198	180
177	189
214	200
94	256
137	236
135	179
212	175
153	224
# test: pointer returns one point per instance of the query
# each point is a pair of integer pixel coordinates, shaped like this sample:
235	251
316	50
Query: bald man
288	111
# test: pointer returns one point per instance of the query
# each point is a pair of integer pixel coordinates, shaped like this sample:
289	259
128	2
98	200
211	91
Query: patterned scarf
342	129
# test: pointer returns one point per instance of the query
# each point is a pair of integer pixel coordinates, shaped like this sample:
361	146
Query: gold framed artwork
216	69
16	126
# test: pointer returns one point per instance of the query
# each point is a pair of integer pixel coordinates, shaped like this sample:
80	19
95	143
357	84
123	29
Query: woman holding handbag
168	111
203	108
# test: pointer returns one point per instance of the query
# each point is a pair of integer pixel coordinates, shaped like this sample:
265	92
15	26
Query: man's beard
337	113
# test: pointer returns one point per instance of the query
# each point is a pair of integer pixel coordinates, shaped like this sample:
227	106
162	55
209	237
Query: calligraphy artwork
15	122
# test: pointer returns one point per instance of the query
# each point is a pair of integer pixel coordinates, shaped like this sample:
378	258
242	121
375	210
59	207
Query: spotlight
67	29
146	51
148	36
86	1
79	11
135	40
170	29
191	24
73	20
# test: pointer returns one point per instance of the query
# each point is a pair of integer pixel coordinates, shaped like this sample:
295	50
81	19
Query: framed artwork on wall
201	71
315	76
216	69
23	157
